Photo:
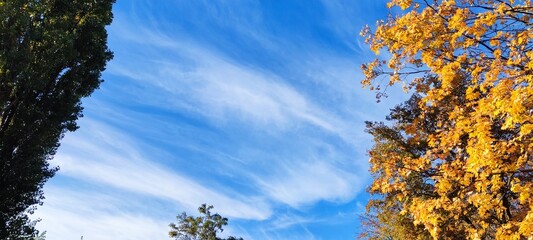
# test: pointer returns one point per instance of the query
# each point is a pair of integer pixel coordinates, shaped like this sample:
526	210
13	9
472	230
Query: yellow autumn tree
471	64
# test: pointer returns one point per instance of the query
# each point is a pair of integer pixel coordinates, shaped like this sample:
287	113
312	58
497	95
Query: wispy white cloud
289	220
224	91
113	159
309	182
70	214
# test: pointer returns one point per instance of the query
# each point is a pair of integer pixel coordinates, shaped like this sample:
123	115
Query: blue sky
254	107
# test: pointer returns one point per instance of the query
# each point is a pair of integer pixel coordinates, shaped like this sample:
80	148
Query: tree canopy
52	53
457	160
204	227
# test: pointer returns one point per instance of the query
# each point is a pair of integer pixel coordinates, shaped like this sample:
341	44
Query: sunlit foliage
463	164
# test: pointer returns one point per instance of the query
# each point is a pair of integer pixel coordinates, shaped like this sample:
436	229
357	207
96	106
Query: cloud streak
70	214
120	165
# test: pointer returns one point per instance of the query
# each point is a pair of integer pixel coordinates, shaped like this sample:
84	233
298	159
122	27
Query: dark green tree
52	53
204	227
